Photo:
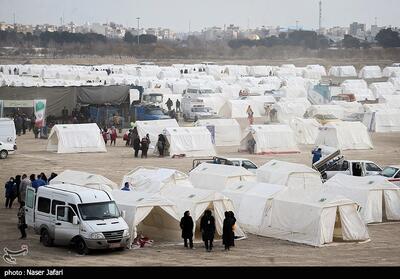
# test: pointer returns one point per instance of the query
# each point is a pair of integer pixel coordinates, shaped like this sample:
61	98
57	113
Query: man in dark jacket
161	144
227	231
187	229
169	104
207	227
11	192
145	146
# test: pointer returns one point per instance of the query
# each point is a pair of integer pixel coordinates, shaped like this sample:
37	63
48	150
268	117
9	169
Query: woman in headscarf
207	227
187	225
227	231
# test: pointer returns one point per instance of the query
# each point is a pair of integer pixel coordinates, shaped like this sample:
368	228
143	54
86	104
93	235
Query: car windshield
248	165
156	112
98	211
389	172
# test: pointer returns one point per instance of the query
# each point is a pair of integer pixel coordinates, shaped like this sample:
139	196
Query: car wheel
45	238
3	154
81	247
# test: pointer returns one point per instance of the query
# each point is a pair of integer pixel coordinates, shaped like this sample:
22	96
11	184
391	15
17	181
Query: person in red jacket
113	135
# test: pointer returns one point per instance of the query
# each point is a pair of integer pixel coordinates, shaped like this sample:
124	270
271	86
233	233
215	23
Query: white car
392	173
239	162
354	168
6	148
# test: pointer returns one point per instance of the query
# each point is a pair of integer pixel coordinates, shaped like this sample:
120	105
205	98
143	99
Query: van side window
44	205
54	203
71	213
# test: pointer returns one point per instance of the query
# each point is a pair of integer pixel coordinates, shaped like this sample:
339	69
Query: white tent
270	139
238	109
305	130
173	185
75	138
84	179
295	176
190	141
378	198
227	131
389	71
342	71
345	136
149	214
293	92
218	177
370	72
392	101
288	109
396	82
383	121
382	88
312	218
359	88
260	71
335	110
319	68
154	128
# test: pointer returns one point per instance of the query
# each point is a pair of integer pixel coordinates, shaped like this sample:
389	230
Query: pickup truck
6	148
149	112
239	162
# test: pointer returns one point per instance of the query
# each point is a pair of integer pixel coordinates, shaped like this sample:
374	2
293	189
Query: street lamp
138	18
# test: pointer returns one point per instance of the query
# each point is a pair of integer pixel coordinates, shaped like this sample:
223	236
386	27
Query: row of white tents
284	200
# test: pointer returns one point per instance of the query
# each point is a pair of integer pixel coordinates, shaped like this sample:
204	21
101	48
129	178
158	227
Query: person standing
233	227
207	227
113	135
25	182
11	192
187	225
17	182
317	154
145	146
227	231
64	113
178	106
126	187
24	124
105	135
21	220
169	104
250	114
18	124
161	145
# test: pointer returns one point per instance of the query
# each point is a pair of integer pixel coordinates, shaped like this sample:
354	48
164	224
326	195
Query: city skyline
197	16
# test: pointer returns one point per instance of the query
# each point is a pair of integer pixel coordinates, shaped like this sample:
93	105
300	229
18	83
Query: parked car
353	167
72	215
6	148
392	173
239	162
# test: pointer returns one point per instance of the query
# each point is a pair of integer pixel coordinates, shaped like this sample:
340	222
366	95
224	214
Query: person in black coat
145	146
207	227
227	231
161	144
187	229
136	145
233	226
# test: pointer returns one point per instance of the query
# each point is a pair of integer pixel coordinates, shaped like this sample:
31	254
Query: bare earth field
383	249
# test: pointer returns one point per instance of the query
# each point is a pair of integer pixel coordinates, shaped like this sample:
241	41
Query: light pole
138	18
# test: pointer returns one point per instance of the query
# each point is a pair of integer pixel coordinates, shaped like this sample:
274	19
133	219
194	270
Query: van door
65	230
30	206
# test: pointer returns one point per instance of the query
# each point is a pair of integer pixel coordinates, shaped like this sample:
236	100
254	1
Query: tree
350	42
129	38
388	38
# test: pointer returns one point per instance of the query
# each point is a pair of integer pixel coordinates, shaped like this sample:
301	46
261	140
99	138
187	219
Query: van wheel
46	239
3	154
81	247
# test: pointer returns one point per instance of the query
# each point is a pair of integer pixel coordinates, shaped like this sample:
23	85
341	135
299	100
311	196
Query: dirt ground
383	249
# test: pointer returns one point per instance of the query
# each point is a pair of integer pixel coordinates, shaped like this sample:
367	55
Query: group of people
170	103
208	228
133	139
109	134
15	188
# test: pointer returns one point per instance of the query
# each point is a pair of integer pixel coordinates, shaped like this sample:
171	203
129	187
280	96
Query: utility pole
14	20
189	27
320	17
138	18
297	25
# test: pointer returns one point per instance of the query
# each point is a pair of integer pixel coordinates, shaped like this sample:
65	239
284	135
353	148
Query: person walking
233	227
207	227
145	146
105	135
21	220
25	182
250	115
169	104
113	135
136	145
187	225
227	231
11	192
178	106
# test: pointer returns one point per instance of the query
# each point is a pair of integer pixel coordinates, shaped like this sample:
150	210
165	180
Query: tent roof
85	179
362	183
221	170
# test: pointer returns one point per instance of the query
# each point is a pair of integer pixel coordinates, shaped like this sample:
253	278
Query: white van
66	214
7	131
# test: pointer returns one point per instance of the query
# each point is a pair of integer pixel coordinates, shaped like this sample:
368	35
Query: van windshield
98	211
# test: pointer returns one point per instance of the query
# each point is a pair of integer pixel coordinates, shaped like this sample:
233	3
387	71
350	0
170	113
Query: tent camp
370	72
154	128
84	179
227	131
312	218
344	135
173	185
379	199
383	121
305	130
149	214
270	139
289	108
289	174
75	138
218	177
190	141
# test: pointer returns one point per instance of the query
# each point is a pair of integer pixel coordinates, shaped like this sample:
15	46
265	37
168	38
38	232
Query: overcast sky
176	14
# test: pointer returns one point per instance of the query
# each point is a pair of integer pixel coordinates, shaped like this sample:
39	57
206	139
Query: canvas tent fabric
392	101
84	179
368	72
76	138
305	130
154	128
217	177
149	214
335	110
292	175
391	71
345	136
227	131
396	82
190	141
359	88
270	139
378	198
288	109
238	109
342	71
383	121
382	88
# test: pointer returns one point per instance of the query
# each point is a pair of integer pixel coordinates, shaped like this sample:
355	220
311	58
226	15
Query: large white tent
378	198
189	141
149	214
382	88
218	177
238	109
305	130
227	131
368	72
75	138
154	128
84	179
383	121
344	135
342	71
390	71
289	174
359	88
270	139
289	108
